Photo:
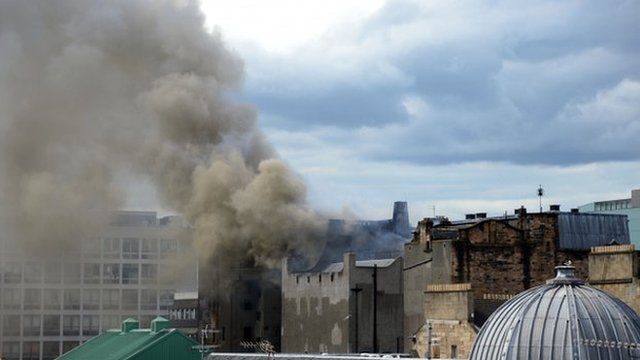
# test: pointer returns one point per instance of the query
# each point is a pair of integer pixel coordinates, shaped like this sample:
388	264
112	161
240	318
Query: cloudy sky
454	106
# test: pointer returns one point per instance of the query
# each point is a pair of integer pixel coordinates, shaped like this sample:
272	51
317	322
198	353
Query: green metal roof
136	344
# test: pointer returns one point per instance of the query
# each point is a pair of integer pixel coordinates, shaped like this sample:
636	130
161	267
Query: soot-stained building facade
248	307
345	307
497	258
330	306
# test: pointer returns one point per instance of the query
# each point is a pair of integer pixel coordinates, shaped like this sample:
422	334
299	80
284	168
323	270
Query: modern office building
629	207
132	270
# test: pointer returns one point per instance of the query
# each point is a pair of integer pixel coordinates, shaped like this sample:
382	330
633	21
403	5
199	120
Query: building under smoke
366	239
50	304
350	300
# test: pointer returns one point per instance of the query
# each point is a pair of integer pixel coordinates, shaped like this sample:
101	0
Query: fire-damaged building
351	299
252	306
457	273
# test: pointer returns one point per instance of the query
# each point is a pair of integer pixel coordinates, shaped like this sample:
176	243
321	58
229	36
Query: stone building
334	309
562	319
614	269
449	330
499	257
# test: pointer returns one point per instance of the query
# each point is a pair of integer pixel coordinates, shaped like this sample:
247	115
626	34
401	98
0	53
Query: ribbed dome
564	319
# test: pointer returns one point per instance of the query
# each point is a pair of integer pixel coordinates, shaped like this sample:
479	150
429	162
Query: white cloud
448	103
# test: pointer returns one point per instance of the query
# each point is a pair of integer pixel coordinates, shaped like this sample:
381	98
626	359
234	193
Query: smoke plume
93	92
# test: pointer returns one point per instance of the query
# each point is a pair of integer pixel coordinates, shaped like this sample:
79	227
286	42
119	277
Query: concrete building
334	309
497	258
629	207
132	270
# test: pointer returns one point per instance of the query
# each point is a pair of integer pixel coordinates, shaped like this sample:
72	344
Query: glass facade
49	307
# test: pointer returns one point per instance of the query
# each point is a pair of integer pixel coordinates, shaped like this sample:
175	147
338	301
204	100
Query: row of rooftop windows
86	299
84	273
331	278
121	248
59	325
55	325
613	205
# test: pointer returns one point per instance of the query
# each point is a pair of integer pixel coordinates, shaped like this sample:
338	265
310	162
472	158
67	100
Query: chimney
401	219
522	211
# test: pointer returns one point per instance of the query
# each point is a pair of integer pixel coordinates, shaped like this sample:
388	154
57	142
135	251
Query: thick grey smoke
92	92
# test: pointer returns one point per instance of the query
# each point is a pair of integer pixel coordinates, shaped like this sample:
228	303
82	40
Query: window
32	299
52	273
130	248
30	350
90	325
70	325
72	273
11	325
149	248
53	299
111	273
248	333
91	248
148	299
32	273
31	325
166	299
111	248
72	299
12	273
91	274
51	325
11	298
130	273
50	350
110	322
168	247
11	350
91	299
110	299
68	345
129	299
148	273
454	351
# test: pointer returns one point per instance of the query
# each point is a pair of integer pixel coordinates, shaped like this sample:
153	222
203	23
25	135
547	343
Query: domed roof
564	319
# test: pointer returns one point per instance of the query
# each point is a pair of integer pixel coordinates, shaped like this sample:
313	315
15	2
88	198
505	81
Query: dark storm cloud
522	82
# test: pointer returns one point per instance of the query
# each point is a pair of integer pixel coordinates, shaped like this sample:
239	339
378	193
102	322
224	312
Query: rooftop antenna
434	211
540	194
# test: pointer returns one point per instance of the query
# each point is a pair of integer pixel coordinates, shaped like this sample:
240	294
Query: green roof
136	344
